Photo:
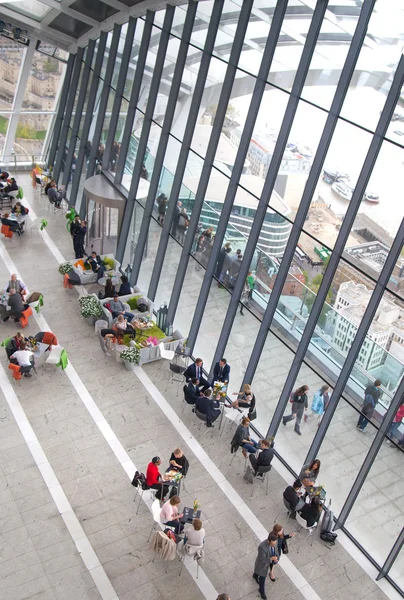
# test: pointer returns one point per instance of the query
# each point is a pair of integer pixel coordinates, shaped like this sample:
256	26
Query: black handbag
252	415
285	549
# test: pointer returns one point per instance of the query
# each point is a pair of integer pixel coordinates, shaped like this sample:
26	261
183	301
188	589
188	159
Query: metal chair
140	492
156	510
201	417
176	370
261	471
288	511
309	530
233	416
190	550
236	452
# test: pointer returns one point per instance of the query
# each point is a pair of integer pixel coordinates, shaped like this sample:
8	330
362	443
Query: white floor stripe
98	573
345	542
76	531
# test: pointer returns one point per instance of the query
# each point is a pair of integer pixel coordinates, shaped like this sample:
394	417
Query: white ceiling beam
37	30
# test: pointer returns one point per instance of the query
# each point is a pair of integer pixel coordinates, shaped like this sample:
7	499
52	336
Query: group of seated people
54	194
15	304
296	495
16	220
7	184
260	453
178	462
198	390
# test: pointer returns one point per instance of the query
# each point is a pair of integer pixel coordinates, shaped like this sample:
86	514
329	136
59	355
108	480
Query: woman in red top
153	478
393	429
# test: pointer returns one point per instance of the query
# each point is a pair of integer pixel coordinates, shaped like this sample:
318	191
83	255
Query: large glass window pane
379	502
30	134
11	56
377	62
397	570
3	130
44	82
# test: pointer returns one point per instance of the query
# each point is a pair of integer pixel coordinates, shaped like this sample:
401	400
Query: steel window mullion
79	110
120	86
210	152
393	554
61	109
371	455
144	136
88	117
164	137
134	95
60	152
100	115
280	146
346	227
309	190
186	143
357	343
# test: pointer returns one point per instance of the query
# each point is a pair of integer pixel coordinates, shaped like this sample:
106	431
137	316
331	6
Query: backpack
139	479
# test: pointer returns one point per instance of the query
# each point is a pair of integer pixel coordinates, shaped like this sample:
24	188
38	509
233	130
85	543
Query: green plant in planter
90	307
65	267
131	354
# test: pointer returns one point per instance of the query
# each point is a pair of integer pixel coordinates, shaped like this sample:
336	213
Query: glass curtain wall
30	84
288	192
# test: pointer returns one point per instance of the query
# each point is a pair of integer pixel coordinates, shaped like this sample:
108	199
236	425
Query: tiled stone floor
38	559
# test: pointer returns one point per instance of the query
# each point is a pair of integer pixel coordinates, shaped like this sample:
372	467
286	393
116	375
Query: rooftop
216	192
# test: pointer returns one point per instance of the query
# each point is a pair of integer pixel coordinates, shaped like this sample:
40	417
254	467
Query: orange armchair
25	316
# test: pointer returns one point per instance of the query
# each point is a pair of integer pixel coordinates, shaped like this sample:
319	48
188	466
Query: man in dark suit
208	407
191	391
195	370
264	458
96	264
293	497
221	372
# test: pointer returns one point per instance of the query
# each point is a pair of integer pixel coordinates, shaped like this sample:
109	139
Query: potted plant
90	308
65	267
130	357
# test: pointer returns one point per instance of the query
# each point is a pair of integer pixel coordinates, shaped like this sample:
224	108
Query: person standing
75	227
393	429
80	237
278	531
320	400
220	261
299	406
161	207
267	557
176	218
372	395
183	222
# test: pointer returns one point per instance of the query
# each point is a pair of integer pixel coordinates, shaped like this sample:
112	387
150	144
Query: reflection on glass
30	134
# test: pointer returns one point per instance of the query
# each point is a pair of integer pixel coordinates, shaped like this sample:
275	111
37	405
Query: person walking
299	406
320	401
372	395
267	557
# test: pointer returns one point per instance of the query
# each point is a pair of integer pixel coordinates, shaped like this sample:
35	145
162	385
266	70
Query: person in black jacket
264	458
293	497
196	370
221	371
96	264
311	512
124	289
179	462
11	187
191	392
208	407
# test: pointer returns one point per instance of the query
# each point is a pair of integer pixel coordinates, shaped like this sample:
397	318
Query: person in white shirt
24	358
194	533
